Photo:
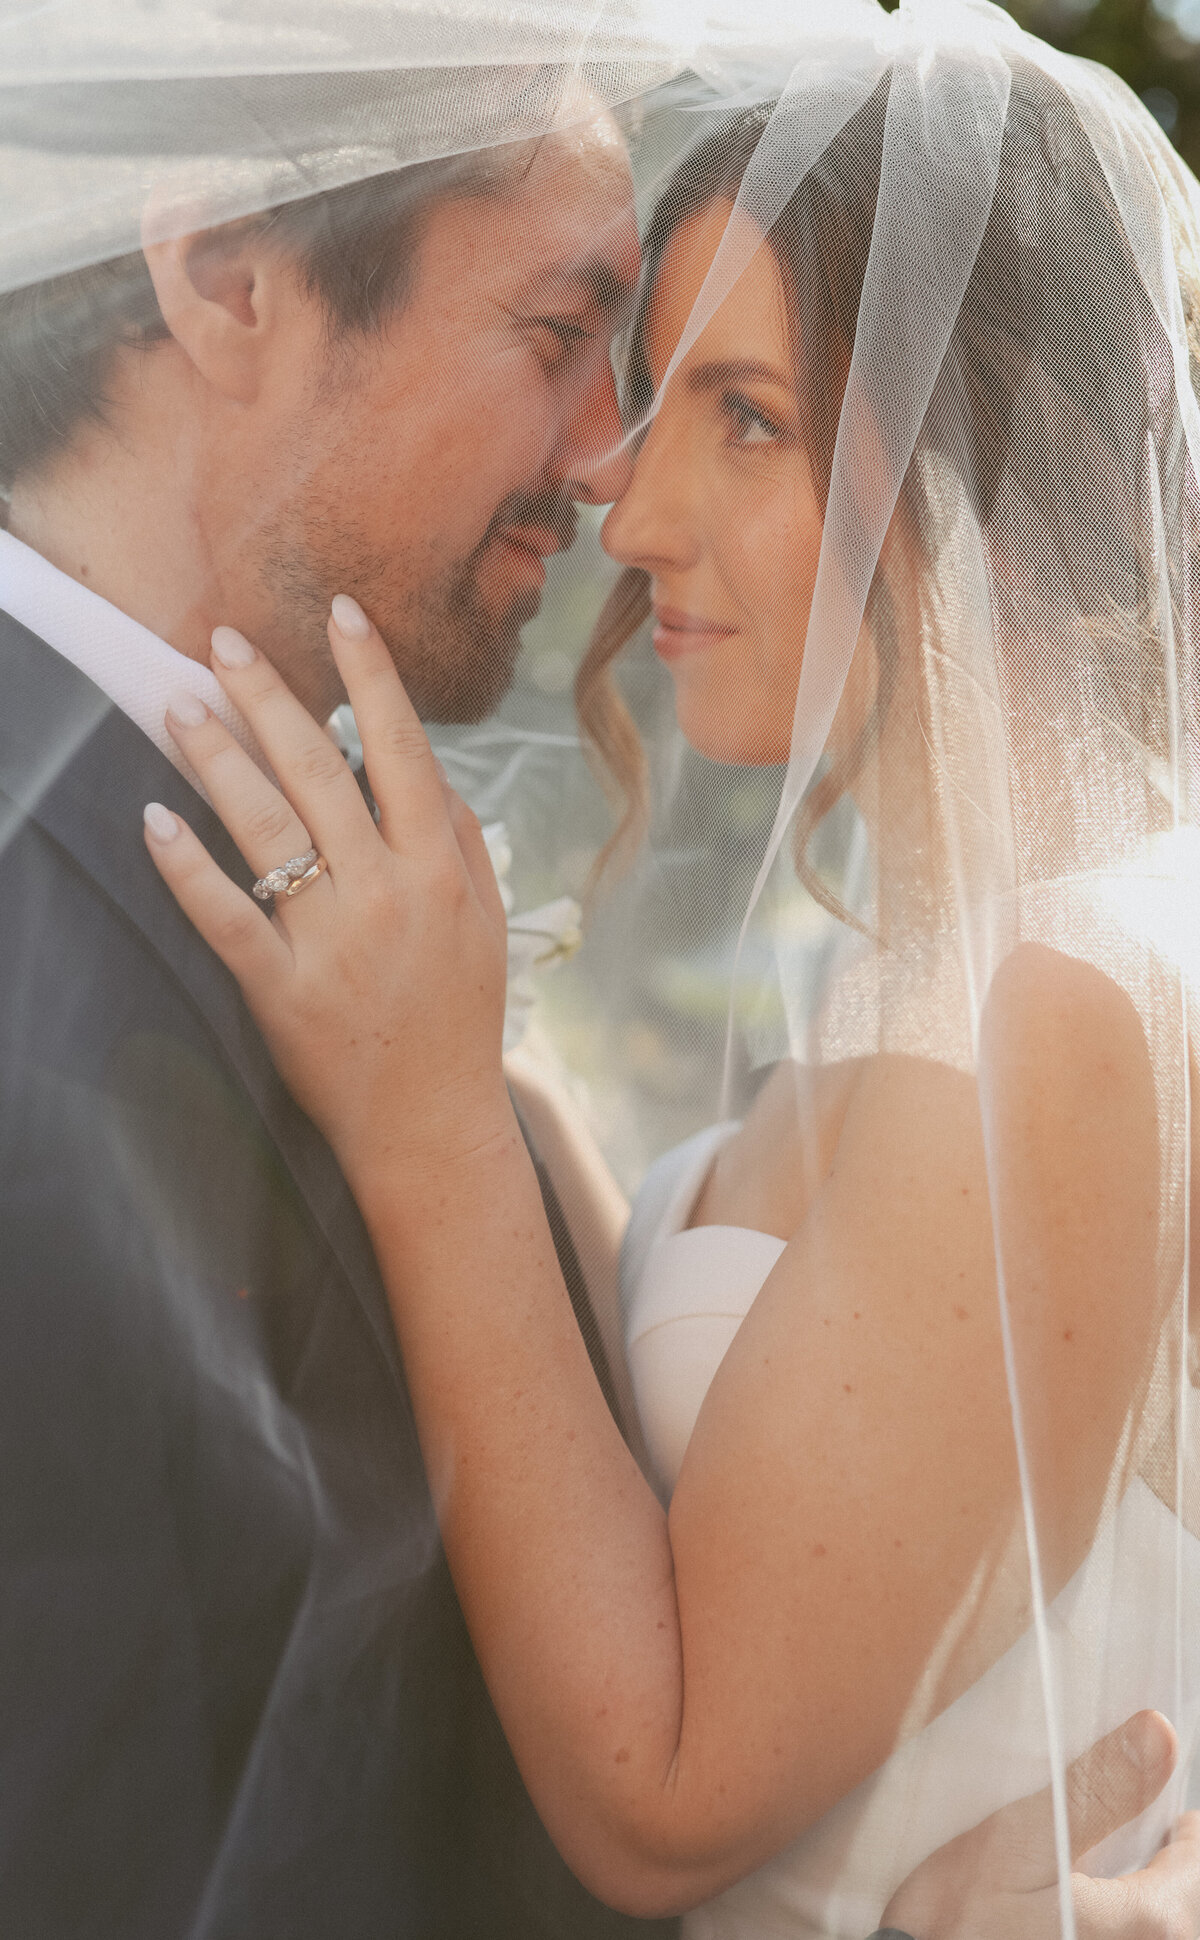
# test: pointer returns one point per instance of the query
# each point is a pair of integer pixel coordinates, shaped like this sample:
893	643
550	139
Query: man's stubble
455	650
455	655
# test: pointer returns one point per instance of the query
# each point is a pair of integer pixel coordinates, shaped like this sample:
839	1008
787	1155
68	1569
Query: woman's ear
219	292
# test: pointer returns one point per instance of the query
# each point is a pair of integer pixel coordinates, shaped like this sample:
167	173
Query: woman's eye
751	426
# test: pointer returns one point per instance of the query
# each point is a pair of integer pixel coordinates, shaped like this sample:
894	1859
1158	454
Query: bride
911	503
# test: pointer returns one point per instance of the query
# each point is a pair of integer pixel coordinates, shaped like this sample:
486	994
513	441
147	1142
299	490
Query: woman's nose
595	458
650	525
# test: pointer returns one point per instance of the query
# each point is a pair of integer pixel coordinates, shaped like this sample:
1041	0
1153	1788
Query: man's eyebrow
609	291
710	377
612	291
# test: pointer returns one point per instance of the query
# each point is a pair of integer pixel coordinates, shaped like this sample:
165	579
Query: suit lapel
72	762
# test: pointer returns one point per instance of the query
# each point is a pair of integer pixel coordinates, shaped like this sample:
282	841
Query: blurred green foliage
1154	45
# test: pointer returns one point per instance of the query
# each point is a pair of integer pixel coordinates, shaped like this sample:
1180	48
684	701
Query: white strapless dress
1112	1628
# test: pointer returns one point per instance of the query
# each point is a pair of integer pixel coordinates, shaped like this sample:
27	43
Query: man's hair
354	248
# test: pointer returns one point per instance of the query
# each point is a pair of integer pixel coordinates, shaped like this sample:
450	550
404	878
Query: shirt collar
134	667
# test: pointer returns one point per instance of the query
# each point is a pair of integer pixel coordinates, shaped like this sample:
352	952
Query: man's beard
455	653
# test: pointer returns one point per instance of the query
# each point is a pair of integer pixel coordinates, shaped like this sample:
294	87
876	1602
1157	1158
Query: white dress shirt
136	669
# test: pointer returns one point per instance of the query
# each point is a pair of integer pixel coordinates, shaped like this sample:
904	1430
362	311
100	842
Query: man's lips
677	633
529	547
538	539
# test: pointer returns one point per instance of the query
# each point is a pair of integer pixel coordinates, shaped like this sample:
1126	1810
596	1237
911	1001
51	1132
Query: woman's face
721	510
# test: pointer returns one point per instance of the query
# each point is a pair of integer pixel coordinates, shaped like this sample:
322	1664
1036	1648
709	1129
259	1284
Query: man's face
429	470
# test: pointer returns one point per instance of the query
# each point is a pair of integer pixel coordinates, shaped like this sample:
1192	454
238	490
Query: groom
237	1699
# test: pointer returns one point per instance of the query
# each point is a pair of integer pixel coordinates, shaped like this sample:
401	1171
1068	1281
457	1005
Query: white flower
499	849
537	939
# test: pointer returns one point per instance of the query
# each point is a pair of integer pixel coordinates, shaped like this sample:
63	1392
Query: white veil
1010	490
1009	473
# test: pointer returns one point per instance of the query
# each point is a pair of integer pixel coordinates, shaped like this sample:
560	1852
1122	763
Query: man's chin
458	711
464	678
505	629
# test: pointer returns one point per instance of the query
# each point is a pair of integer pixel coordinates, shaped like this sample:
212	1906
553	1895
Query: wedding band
310	875
276	881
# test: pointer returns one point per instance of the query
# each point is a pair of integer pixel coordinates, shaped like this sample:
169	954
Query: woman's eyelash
745	414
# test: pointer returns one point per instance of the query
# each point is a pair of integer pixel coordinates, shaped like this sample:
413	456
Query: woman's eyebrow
734	370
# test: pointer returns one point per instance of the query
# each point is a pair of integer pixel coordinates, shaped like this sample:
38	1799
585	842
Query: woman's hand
379	985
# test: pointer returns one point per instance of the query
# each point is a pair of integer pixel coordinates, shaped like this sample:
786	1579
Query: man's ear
220	292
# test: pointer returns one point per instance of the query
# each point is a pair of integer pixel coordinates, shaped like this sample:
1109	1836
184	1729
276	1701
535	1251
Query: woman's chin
716	727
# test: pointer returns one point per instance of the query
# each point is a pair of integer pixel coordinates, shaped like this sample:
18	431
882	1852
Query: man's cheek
520	413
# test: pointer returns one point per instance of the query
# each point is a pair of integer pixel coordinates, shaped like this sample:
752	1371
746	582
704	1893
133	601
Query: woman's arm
684	1697
593	1205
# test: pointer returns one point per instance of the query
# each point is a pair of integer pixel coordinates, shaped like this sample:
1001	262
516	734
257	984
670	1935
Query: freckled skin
550	1541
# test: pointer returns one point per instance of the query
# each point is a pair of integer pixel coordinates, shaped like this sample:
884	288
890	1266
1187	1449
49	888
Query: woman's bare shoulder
1055	1033
766	1176
1061	1045
1060	1033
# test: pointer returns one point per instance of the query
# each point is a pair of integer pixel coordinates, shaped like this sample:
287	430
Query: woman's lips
677	633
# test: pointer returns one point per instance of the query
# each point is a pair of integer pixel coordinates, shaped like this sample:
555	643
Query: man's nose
594	459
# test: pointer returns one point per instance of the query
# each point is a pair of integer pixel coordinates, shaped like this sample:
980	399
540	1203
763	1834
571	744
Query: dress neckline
665	1262
701	1152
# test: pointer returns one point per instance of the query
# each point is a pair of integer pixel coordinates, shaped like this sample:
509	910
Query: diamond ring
279	882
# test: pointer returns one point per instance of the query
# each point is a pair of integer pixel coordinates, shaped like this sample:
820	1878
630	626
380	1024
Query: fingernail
230	647
349	618
442	772
186	708
163	826
1143	1740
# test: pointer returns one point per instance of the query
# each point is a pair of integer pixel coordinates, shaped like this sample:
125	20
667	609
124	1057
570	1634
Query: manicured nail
230	647
349	618
163	826
1143	1740
186	708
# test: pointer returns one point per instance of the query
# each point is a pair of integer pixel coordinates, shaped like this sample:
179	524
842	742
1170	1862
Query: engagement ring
279	882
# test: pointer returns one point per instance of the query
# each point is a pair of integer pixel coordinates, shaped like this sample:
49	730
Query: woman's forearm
684	1696
559	1549
594	1207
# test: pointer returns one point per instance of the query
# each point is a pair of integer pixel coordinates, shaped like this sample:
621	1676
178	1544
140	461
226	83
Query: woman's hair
1055	371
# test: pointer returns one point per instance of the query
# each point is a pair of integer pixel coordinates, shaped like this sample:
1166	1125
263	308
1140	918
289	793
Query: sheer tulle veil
981	850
